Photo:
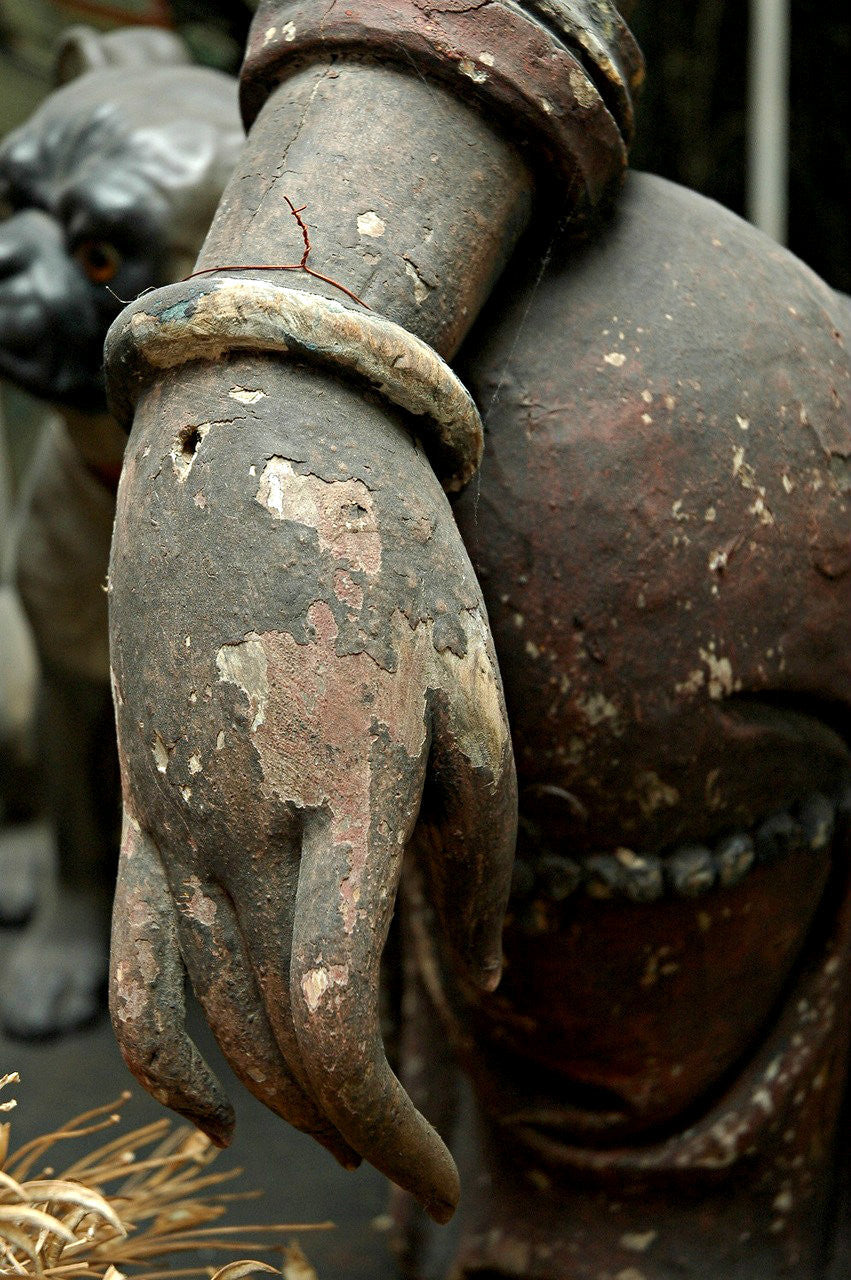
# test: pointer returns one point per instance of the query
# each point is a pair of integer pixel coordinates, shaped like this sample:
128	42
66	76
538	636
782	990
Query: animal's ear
83	49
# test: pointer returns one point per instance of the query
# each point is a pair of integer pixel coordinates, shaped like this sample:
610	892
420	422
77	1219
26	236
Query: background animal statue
661	534
107	191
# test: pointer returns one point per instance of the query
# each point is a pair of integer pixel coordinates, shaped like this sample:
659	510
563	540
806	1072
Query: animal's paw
26	854
56	977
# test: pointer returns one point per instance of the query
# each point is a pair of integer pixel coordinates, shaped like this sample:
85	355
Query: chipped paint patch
184	449
583	89
341	511
315	983
288	32
313	987
244	664
421	289
195	764
347	590
324	730
198	906
161	753
468	68
369	224
245	395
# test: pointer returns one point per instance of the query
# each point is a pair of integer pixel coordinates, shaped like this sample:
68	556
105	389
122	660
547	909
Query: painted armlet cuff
205	319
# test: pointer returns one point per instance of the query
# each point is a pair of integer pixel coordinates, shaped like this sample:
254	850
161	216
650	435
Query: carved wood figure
306	682
108	189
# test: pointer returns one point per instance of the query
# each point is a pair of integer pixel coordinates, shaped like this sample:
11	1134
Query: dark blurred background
692	124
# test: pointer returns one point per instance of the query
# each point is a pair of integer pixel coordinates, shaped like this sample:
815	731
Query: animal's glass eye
99	260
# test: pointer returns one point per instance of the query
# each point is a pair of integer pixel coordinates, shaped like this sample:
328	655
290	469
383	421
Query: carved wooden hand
285	689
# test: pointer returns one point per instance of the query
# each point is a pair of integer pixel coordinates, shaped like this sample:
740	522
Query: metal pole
768	116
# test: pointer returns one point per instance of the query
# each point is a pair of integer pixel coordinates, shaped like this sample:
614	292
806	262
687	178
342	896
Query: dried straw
142	1196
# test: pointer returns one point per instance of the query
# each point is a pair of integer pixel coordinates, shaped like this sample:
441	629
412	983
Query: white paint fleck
638	1241
692	683
486	58
744	423
597	708
186	792
616	358
369	224
547	106
720	678
220	740
760	510
788	483
271	32
288	32
762	1099
194	764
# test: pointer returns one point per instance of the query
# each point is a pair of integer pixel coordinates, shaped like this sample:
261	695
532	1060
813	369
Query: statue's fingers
468	820
146	997
263	893
214	952
346	891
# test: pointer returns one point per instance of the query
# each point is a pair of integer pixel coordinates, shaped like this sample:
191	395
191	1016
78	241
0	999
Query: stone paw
26	855
55	980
